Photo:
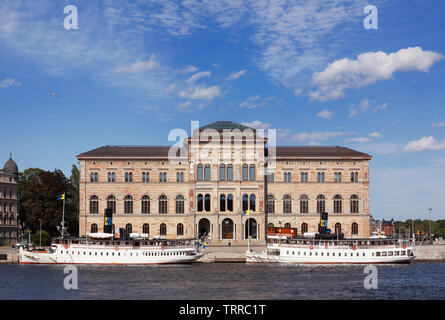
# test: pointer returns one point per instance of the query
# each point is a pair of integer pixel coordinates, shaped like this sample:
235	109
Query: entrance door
227	229
203	228
250	228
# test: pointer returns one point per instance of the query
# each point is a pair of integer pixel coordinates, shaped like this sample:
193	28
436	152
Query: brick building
222	170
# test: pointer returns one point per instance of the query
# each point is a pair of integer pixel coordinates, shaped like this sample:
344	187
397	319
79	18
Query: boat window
384	254
357	254
396	253
377	254
363	254
322	253
333	254
352	254
402	253
390	253
327	253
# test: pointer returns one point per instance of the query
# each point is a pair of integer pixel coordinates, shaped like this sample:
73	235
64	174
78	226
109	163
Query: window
252	172
207	202
337	177
128	228
337	204
93	178
163	204
270	177
337	228
222	172
128	204
128	176
304	204
287	177
287	204
146	228
252	202
229	172
245	202
270	204
200	203
230	202
354	228
287	225
179	176
179	204
111	177
304	228
199	172
354	204
304	177
145	176
145	204
94	228
320	204
207	172
162	176
245	173
320	177
180	229
354	176
111	203
94	204
163	229
222	203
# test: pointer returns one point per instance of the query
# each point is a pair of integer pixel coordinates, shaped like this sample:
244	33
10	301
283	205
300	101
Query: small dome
11	166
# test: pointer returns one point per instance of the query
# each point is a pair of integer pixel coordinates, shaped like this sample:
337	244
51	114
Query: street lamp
430	224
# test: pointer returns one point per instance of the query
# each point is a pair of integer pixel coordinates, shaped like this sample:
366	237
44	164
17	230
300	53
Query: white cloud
438	124
359	140
201	92
139	66
325	114
183	106
9	82
256	124
311	137
375	134
425	143
236	75
366	105
368	68
298	91
198	76
189	69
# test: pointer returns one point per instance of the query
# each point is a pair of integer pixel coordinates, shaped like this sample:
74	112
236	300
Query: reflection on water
224	281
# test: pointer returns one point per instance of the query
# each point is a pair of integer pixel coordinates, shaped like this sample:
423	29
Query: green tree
46	238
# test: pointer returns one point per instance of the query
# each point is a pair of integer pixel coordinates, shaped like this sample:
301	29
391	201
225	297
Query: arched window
252	202
229	172
94	204
354	204
200	203
222	172
145	176
207	172
354	228
179	204
180	229
304	204
111	203
128	228
337	204
222	203
287	177
245	202
94	228
199	173
207	202
304	228
270	204
320	177
287	204
163	229
287	225
128	204
163	204
230	202
145	204
320	204
111	177
146	228
337	228
227	229
245	173
252	172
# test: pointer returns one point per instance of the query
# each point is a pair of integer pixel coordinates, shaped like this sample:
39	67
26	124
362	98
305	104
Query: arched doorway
250	228
227	229
203	228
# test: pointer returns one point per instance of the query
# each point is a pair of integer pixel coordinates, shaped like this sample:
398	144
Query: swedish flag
202	245
61	197
245	213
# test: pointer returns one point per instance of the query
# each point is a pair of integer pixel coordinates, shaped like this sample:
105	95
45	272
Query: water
233	281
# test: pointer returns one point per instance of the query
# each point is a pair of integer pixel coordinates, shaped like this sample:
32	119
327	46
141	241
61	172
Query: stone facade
9	203
223	170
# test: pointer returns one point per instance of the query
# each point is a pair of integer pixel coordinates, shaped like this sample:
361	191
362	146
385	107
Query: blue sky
132	72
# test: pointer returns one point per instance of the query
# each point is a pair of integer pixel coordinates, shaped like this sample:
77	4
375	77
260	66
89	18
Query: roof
281	152
225	125
11	166
127	151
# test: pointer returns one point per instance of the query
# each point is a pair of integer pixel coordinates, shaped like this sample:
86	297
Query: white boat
104	249
301	250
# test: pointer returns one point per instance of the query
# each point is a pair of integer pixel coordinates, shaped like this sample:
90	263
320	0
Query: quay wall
429	253
9	255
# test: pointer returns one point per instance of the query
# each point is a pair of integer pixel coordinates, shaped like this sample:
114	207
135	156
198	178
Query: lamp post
430	224
40	232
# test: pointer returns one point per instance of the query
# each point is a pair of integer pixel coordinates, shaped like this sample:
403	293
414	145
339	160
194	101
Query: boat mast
63	215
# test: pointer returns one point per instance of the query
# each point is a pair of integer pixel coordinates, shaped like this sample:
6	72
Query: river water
209	281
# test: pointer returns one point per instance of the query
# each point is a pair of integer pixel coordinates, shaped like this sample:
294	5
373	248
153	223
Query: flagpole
63	216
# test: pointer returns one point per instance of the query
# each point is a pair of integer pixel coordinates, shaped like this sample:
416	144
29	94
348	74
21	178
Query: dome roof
11	166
